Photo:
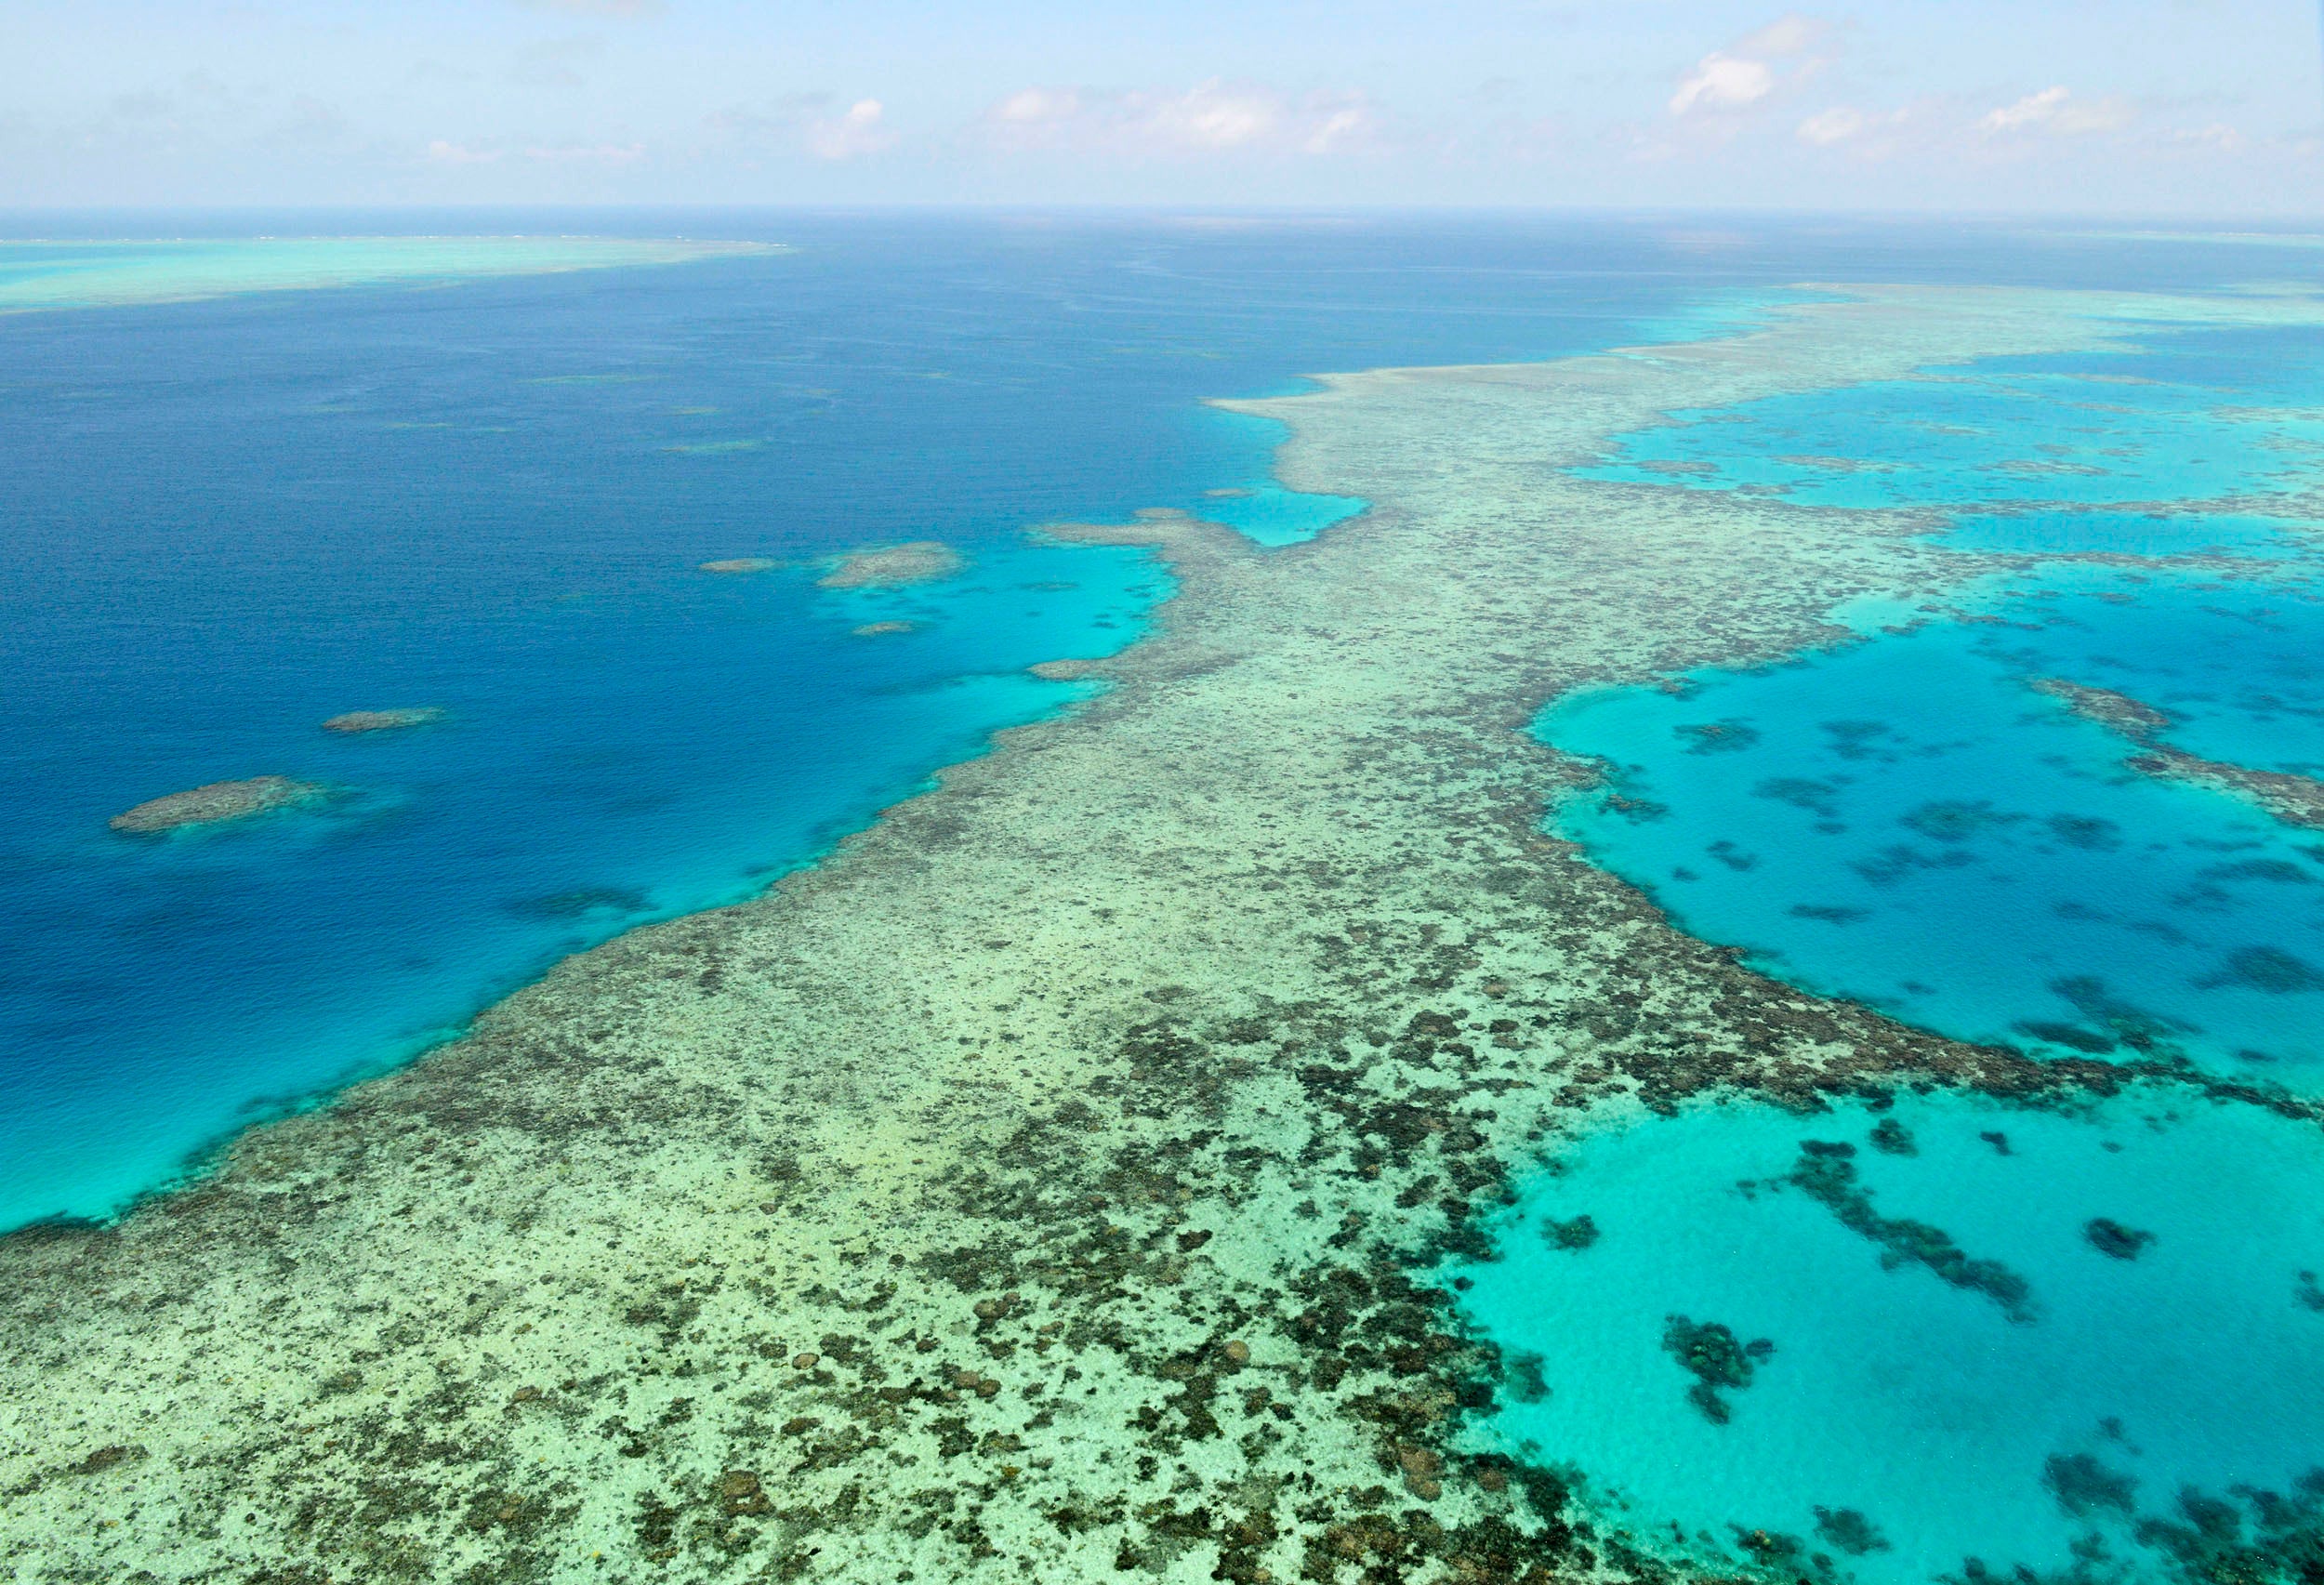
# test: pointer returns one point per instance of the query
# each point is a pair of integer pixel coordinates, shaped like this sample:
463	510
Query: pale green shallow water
92	274
2069	1432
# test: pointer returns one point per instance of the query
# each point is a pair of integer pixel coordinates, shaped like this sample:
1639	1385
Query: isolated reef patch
739	564
216	803
921	561
382	721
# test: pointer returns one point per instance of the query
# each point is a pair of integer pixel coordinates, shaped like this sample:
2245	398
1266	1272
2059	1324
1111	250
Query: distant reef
876	629
2295	800
218	801
922	561
382	721
740	564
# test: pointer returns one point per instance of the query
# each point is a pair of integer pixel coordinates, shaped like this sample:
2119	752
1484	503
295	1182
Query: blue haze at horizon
231	519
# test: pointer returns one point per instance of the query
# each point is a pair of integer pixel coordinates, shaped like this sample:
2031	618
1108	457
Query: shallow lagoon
1995	1341
1905	819
2165	1356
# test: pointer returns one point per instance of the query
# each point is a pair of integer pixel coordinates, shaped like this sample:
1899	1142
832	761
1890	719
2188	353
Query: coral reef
2111	1238
1711	1354
740	564
1827	1176
216	803
1849	1531
382	721
921	561
1044	1185
2295	800
1574	1233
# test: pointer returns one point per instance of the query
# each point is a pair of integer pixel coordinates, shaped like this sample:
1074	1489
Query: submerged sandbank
1048	1183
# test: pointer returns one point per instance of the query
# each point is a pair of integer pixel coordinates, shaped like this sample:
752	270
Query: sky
2160	108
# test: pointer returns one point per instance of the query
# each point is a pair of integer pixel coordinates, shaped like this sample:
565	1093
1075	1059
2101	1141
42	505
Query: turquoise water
1907	823
2091	1348
2195	420
2099	531
1977	1343
231	518
1261	508
1906	820
1275	516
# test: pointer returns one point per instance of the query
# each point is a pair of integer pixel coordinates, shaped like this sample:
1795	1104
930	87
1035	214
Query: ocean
576	496
252	485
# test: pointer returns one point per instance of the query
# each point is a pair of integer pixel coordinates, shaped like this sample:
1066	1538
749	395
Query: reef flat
1044	1186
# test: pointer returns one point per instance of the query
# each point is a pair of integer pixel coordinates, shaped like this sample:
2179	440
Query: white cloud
1722	82
2032	110
1744	73
1834	126
1789	36
856	132
2055	109
1347	122
1034	107
1875	134
2218	135
597	8
443	153
1211	117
